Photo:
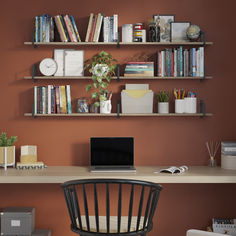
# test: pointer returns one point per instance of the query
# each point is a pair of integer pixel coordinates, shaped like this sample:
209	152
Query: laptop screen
112	151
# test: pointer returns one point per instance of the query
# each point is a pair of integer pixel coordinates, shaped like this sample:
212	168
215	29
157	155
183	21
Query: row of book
52	99
228	148
179	62
65	25
110	28
139	69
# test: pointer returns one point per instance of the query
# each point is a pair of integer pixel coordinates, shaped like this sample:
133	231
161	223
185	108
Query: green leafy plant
163	96
5	142
102	67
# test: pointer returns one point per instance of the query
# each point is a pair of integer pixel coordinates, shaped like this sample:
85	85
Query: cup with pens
185	102
105	103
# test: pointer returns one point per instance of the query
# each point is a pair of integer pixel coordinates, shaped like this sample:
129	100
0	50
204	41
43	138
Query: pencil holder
190	105
105	107
179	105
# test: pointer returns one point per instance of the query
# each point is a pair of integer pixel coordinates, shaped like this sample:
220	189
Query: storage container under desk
17	221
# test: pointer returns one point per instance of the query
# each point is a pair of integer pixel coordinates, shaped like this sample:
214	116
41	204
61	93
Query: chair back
111	206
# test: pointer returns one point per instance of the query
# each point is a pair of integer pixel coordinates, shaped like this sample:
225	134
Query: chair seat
113	224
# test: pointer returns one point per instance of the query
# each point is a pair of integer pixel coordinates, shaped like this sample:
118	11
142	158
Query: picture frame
164	22
178	31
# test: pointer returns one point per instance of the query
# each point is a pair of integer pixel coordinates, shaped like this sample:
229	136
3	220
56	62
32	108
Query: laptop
112	154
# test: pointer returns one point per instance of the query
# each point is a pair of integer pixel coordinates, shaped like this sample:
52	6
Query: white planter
179	106
163	107
190	105
105	107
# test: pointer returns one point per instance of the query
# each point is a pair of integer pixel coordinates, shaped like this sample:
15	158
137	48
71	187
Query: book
68	99
96	29
65	28
93	28
75	28
173	170
59	29
115	27
89	27
70	29
63	99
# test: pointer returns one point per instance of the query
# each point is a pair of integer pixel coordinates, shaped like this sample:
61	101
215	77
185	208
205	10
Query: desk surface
60	174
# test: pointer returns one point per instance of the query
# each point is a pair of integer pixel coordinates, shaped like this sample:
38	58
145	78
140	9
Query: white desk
60	174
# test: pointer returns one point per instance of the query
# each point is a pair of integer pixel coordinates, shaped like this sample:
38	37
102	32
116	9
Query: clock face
48	66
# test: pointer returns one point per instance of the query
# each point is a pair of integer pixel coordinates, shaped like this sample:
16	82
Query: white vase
163	107
105	107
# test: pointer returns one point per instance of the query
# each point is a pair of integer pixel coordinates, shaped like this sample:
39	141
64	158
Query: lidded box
17	220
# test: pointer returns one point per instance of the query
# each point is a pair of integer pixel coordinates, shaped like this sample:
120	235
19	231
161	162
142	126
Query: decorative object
102	68
212	148
179	105
82	105
154	31
48	66
164	22
193	32
7	150
105	107
163	102
190	105
179	31
127	33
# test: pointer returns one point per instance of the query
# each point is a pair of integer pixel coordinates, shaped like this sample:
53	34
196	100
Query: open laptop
111	154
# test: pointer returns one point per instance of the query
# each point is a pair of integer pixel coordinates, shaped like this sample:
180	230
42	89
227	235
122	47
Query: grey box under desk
17	221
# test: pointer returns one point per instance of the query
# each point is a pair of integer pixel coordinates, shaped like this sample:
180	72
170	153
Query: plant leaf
95	85
94	95
96	104
88	87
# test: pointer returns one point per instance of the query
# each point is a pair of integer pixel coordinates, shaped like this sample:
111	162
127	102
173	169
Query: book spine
47	28
58	111
68	26
193	62
105	30
59	28
115	27
44	28
43	100
75	28
41	29
63	99
185	63
202	73
93	28
180	61
89	27
49	111
163	63
160	64
38	100
35	99
51	30
175	63
99	28
52	99
172	63
62	29
157	68
94	39
65	28
36	29
68	96
111	36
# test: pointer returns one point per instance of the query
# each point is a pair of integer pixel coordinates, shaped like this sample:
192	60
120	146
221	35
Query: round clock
48	66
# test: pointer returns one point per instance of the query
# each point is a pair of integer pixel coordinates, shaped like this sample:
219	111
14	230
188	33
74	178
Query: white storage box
228	162
137	101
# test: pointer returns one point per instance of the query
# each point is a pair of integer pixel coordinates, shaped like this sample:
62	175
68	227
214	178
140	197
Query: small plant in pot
163	102
7	150
102	67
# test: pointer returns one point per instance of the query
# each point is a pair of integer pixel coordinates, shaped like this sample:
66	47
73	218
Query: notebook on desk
112	154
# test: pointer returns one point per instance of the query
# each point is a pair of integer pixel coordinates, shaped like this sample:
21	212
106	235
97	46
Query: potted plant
7	150
163	102
102	68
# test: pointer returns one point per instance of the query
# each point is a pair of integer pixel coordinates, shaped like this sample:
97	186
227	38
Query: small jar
138	34
82	105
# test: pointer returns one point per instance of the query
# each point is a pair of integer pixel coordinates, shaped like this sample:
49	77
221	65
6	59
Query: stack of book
228	155
44	28
179	62
67	28
139	69
110	28
224	226
52	99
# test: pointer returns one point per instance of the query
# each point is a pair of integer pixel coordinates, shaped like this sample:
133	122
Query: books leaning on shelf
110	28
52	99
179	62
173	170
224	226
139	69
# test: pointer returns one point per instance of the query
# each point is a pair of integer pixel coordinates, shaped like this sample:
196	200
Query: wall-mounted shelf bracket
203	78
202	109
203	37
118	109
33	39
33	111
34	72
118	40
118	72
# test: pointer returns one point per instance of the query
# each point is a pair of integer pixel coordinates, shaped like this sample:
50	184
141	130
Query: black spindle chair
137	200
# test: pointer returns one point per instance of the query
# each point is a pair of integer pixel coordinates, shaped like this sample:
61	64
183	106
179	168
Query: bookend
34	72
202	108
118	72
118	40
118	109
33	39
203	37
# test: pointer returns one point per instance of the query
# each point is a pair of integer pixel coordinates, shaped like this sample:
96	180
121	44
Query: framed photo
178	31
164	22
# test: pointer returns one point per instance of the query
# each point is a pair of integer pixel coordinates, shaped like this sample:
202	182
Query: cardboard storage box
17	221
137	101
228	162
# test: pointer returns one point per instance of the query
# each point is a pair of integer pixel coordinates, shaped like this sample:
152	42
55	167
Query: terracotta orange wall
158	141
